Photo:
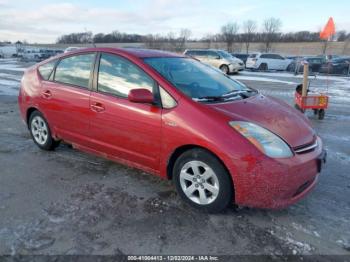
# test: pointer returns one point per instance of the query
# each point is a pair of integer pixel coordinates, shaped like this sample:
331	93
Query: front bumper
278	183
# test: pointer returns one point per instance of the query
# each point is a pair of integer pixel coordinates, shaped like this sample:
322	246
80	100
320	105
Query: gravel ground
69	202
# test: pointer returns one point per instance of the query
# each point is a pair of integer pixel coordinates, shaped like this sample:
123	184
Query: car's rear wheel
40	132
224	69
202	181
321	114
263	67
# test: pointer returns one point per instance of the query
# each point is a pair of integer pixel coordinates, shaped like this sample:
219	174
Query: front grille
306	148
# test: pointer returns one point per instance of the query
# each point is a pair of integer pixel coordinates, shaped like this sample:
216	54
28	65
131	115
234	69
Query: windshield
225	54
196	80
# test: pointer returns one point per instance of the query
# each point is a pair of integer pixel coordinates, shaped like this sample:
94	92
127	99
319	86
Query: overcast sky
44	21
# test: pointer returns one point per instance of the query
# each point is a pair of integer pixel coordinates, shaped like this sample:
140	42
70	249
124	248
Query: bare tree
346	45
229	34
271	27
184	36
249	30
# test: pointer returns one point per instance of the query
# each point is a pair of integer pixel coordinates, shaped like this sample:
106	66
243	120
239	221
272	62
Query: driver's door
119	128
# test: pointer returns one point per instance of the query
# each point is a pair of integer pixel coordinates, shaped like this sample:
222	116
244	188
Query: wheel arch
224	65
30	110
182	149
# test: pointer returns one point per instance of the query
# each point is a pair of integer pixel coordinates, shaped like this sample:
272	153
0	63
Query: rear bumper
276	184
251	66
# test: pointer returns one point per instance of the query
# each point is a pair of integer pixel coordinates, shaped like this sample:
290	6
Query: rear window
45	70
75	70
340	60
253	56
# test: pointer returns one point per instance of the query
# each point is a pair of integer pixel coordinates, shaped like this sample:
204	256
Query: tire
290	68
263	67
321	114
40	132
224	69
345	71
315	111
208	184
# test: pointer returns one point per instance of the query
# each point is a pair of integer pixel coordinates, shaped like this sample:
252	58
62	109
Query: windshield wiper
237	92
232	95
208	98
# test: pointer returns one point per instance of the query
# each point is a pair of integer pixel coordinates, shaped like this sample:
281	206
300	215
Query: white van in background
267	61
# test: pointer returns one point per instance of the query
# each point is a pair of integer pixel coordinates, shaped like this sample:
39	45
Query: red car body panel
145	136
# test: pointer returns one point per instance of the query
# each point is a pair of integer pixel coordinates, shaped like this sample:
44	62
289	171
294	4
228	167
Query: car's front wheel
224	69
202	181
40	132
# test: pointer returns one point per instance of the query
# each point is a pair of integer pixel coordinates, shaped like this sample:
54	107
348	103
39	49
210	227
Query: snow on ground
336	87
261	79
9	87
11	65
299	76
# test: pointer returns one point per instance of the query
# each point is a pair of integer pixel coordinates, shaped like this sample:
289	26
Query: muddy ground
68	202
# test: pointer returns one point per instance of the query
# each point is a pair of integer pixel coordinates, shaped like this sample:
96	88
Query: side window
278	57
213	55
201	53
264	56
75	70
45	70
117	76
168	101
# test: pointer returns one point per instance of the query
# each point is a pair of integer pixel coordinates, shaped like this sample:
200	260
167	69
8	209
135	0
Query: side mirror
141	95
218	57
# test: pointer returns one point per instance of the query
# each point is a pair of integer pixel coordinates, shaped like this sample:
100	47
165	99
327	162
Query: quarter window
75	70
117	76
168	101
45	70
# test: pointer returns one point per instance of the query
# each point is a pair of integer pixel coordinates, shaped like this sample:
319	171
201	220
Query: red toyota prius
170	115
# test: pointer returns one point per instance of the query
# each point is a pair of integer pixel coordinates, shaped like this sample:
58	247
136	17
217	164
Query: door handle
97	107
47	94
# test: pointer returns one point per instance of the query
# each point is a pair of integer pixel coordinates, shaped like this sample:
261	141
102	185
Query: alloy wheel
199	182
39	130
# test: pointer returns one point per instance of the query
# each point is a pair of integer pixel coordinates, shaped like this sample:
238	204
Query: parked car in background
30	55
315	63
71	48
267	61
45	54
243	57
218	140
337	66
217	58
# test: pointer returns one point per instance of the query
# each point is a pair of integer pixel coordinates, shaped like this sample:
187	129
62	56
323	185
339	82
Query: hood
272	114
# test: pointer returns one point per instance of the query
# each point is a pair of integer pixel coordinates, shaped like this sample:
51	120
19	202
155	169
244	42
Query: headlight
266	141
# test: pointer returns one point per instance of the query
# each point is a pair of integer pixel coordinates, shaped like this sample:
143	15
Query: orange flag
328	30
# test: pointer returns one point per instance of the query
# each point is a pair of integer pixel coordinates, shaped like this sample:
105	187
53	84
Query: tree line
245	33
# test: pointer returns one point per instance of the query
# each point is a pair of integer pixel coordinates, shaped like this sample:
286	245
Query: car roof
203	49
136	52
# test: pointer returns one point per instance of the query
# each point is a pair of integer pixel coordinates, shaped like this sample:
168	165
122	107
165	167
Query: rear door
281	62
66	97
122	129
